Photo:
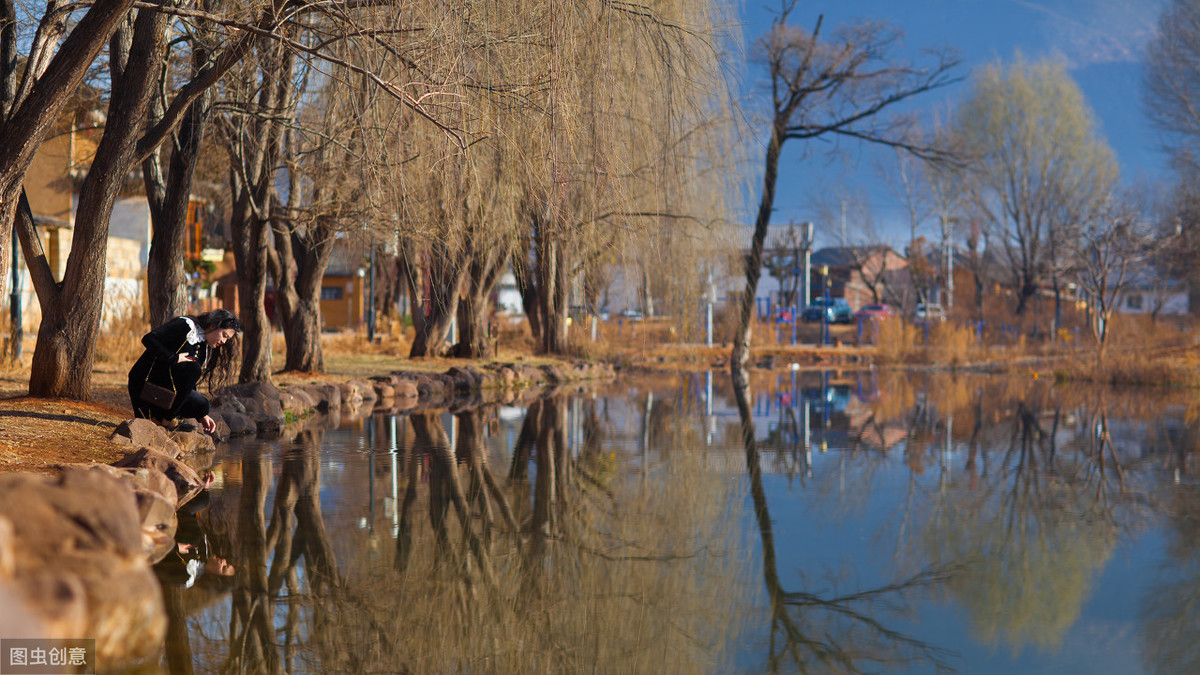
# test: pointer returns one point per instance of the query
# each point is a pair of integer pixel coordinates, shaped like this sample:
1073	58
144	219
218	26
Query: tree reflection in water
839	632
565	565
1171	610
1037	525
569	557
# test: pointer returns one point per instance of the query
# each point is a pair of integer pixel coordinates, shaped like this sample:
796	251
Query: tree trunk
63	357
166	279
531	301
1026	293
446	274
474	339
647	296
303	327
474	310
250	254
1058	312
281	263
303	337
552	292
754	262
253	188
8	56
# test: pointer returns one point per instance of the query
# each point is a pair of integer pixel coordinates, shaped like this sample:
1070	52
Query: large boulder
368	391
137	433
259	400
465	379
156	499
296	403
77	561
406	389
188	483
194	442
351	394
385	393
325	395
234	423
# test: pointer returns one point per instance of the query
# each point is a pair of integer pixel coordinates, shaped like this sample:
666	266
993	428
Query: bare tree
1109	254
1038	165
169	193
947	201
259	99
1171	90
836	88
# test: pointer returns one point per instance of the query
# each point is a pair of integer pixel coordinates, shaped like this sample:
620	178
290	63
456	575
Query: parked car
879	311
632	315
838	311
929	312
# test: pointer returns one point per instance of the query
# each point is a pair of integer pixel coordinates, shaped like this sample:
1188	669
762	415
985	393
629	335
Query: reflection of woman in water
179	354
193	556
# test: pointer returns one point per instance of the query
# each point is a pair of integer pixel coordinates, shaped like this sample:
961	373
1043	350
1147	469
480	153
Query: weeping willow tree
318	111
639	157
591	130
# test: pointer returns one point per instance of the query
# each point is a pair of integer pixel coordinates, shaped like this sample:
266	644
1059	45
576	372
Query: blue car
838	311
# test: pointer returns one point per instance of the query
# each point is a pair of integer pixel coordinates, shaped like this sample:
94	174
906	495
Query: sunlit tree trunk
250	254
531	302
552	292
63	357
475	308
298	265
446	274
254	143
754	261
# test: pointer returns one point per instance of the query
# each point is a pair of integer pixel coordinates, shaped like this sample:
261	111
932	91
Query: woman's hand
184	358
210	425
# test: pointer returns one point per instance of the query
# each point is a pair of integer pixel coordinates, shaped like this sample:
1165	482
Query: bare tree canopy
1171	78
1038	168
831	88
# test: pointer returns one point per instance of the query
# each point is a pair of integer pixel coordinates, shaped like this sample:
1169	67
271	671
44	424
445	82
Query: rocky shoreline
77	548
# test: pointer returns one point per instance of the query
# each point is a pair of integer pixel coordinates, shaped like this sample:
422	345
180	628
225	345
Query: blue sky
1102	42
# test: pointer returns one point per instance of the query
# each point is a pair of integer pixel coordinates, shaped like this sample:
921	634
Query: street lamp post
948	253
806	242
825	308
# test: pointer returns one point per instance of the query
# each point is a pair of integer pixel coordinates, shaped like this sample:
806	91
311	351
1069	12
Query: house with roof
1154	293
860	274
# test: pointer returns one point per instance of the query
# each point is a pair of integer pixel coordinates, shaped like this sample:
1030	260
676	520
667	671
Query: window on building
331	292
1134	301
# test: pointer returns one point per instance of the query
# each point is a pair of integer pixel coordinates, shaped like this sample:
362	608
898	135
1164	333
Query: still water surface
870	523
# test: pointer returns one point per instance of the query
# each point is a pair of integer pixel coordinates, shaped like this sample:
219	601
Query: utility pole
806	244
708	315
948	252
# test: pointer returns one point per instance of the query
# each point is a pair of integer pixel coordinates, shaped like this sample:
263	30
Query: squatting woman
179	355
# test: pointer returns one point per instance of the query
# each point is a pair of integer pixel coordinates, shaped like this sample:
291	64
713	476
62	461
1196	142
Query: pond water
861	522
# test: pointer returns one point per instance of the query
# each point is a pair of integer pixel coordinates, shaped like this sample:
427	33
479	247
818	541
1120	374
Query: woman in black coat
179	355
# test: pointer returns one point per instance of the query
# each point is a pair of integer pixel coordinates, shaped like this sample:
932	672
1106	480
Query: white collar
195	335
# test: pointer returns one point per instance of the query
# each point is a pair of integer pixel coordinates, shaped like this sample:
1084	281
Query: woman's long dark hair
220	361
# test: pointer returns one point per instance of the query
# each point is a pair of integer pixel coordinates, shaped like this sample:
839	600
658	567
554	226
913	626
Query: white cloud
1096	31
